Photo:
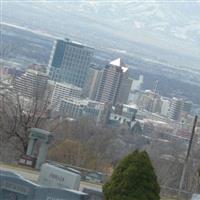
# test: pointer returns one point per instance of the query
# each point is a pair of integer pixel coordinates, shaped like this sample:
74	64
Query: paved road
26	173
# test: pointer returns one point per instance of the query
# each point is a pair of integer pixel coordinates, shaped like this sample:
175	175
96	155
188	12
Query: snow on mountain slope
180	19
171	25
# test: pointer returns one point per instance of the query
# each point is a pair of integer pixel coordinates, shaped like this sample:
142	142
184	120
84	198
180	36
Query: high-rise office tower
33	83
69	62
175	108
124	89
113	83
92	82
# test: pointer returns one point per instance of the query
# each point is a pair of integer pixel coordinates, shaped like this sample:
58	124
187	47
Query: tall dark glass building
69	62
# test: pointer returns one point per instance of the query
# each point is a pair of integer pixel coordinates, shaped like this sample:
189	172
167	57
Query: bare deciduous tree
18	114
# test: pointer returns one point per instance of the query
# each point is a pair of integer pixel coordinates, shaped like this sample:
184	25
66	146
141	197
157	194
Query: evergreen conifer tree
133	179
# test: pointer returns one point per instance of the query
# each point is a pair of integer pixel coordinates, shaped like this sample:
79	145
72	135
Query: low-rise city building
77	108
63	91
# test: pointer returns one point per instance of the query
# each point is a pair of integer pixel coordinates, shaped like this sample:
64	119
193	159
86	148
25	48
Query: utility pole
187	157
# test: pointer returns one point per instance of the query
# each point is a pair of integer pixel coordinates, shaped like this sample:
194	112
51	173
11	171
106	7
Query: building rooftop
39	68
134	106
83	101
75	43
119	63
68	85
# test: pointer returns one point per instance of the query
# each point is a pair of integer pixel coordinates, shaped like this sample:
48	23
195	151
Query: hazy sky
171	24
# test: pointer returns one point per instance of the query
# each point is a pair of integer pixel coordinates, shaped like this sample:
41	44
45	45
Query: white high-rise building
64	91
165	107
175	108
32	84
136	85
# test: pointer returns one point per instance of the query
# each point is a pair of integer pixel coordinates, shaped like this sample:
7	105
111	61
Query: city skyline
96	95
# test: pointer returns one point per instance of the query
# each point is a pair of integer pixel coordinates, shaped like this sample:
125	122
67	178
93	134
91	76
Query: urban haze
99	100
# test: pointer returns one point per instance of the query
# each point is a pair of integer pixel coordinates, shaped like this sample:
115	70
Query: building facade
175	109
165	107
124	113
135	86
69	62
77	108
32	84
124	90
113	83
64	91
187	106
92	82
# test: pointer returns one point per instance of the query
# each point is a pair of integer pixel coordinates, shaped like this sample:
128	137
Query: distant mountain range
162	30
180	19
